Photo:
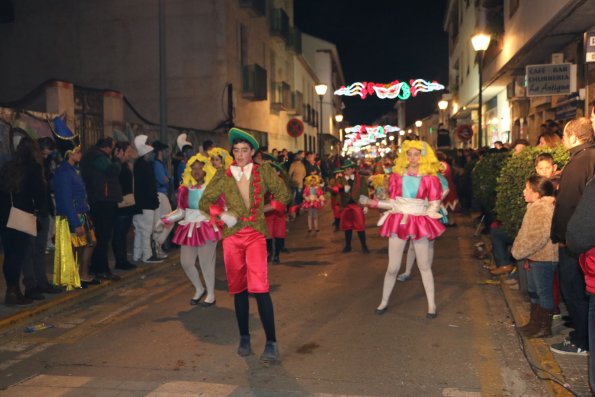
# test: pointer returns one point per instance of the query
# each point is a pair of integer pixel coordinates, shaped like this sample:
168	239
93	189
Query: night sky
382	41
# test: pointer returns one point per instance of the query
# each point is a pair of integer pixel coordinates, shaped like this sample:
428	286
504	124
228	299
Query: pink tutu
416	227
200	235
312	204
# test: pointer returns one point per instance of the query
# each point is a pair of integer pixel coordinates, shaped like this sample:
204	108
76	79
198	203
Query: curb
537	349
70	298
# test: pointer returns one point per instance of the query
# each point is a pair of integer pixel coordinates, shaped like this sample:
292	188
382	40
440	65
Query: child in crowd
313	200
533	242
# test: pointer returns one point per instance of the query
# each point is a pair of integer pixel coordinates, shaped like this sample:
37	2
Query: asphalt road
143	337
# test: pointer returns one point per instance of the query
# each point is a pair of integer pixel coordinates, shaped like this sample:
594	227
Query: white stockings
206	256
410	260
424	253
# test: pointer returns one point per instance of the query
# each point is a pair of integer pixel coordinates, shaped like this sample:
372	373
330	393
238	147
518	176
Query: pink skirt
312	204
416	227
200	235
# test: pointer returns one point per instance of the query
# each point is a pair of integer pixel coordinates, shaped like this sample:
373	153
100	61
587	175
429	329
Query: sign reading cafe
550	79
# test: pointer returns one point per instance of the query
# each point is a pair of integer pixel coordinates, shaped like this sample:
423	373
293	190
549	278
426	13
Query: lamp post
320	91
480	42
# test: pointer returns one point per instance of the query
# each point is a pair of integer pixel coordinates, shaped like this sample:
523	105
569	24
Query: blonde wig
223	155
188	180
313	179
428	165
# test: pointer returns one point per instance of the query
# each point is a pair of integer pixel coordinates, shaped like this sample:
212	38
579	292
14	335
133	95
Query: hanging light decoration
396	89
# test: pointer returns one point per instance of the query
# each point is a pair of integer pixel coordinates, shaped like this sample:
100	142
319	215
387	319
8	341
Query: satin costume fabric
245	256
276	224
425	187
191	233
312	198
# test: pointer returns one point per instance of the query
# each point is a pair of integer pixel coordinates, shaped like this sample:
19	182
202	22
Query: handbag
127	201
22	221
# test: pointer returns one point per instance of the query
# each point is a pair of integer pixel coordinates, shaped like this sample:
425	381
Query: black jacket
101	174
126	182
145	186
580	235
575	175
29	197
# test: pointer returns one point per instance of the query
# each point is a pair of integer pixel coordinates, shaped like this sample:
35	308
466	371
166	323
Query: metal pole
162	75
480	129
320	130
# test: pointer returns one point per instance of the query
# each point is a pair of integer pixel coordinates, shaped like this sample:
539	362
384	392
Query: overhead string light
396	89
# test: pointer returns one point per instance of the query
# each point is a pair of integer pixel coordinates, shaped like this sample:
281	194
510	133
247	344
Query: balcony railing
256	8
294	44
280	24
254	82
297	102
281	96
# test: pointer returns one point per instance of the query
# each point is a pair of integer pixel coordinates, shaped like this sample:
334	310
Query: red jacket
587	262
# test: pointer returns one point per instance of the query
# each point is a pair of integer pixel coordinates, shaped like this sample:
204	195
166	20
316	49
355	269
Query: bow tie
238	172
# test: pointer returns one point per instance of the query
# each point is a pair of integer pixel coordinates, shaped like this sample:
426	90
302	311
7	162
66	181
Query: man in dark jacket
100	173
578	140
145	196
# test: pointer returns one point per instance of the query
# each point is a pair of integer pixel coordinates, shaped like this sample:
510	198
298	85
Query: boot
362	240
15	297
244	349
544	324
532	324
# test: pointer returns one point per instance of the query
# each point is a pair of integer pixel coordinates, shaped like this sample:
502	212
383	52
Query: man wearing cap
244	185
352	186
146	199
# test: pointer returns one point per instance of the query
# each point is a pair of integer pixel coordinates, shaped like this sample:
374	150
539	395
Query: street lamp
320	91
480	42
442	105
339	119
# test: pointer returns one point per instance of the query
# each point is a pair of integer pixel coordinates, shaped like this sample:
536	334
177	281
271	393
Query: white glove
434	209
159	226
386	204
364	200
347	188
229	219
365	210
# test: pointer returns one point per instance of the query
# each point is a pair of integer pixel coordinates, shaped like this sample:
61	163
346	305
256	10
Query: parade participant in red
245	184
336	197
313	200
196	234
276	219
352	186
413	214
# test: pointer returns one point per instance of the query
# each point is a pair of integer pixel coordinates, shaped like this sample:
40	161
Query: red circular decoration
464	132
295	128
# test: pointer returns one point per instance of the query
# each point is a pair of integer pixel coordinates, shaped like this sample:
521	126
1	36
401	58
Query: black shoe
365	250
380	312
125	266
87	283
270	353
34	294
431	316
244	349
194	302
15	297
347	249
50	289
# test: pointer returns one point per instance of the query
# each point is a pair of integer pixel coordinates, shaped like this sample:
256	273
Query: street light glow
320	89
481	41
442	105
338	117
418	123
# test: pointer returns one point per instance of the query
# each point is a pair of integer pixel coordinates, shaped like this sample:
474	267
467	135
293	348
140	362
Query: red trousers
245	256
276	224
353	218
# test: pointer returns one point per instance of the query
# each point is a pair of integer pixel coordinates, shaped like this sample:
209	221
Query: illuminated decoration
364	129
396	89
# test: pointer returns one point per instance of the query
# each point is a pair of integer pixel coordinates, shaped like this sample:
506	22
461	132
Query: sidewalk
556	369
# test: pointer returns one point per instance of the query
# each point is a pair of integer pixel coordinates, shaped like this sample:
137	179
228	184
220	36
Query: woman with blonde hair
413	215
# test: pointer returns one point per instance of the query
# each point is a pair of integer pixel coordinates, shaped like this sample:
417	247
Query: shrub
485	178
510	204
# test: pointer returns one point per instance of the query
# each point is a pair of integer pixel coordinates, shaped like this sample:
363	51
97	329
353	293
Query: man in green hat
244	185
351	186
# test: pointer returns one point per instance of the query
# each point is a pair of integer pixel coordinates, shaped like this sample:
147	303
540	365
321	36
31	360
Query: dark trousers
103	216
119	241
15	246
572	286
34	271
592	341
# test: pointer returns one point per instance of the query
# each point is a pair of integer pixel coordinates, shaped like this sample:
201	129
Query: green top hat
236	133
268	157
348	164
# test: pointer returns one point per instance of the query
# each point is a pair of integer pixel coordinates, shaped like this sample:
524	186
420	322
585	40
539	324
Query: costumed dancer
413	214
351	186
275	215
313	200
244	247
74	228
336	197
196	234
220	158
451	199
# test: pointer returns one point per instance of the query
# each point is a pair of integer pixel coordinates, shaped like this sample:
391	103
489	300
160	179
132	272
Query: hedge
485	179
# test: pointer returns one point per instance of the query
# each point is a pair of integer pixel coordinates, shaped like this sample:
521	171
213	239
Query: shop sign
590	46
464	132
550	79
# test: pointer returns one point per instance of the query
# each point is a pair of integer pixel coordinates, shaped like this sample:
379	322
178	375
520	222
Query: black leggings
16	245
265	310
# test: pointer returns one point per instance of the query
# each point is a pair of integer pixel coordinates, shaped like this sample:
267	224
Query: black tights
265	310
361	235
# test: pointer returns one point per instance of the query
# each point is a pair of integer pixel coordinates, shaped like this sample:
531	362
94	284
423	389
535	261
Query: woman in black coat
21	185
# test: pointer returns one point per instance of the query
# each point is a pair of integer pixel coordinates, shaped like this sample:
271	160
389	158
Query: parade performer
276	219
351	186
244	247
336	197
313	200
413	214
220	158
196	234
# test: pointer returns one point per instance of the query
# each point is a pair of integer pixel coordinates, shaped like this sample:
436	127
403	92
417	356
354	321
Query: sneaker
153	259
567	347
404	277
